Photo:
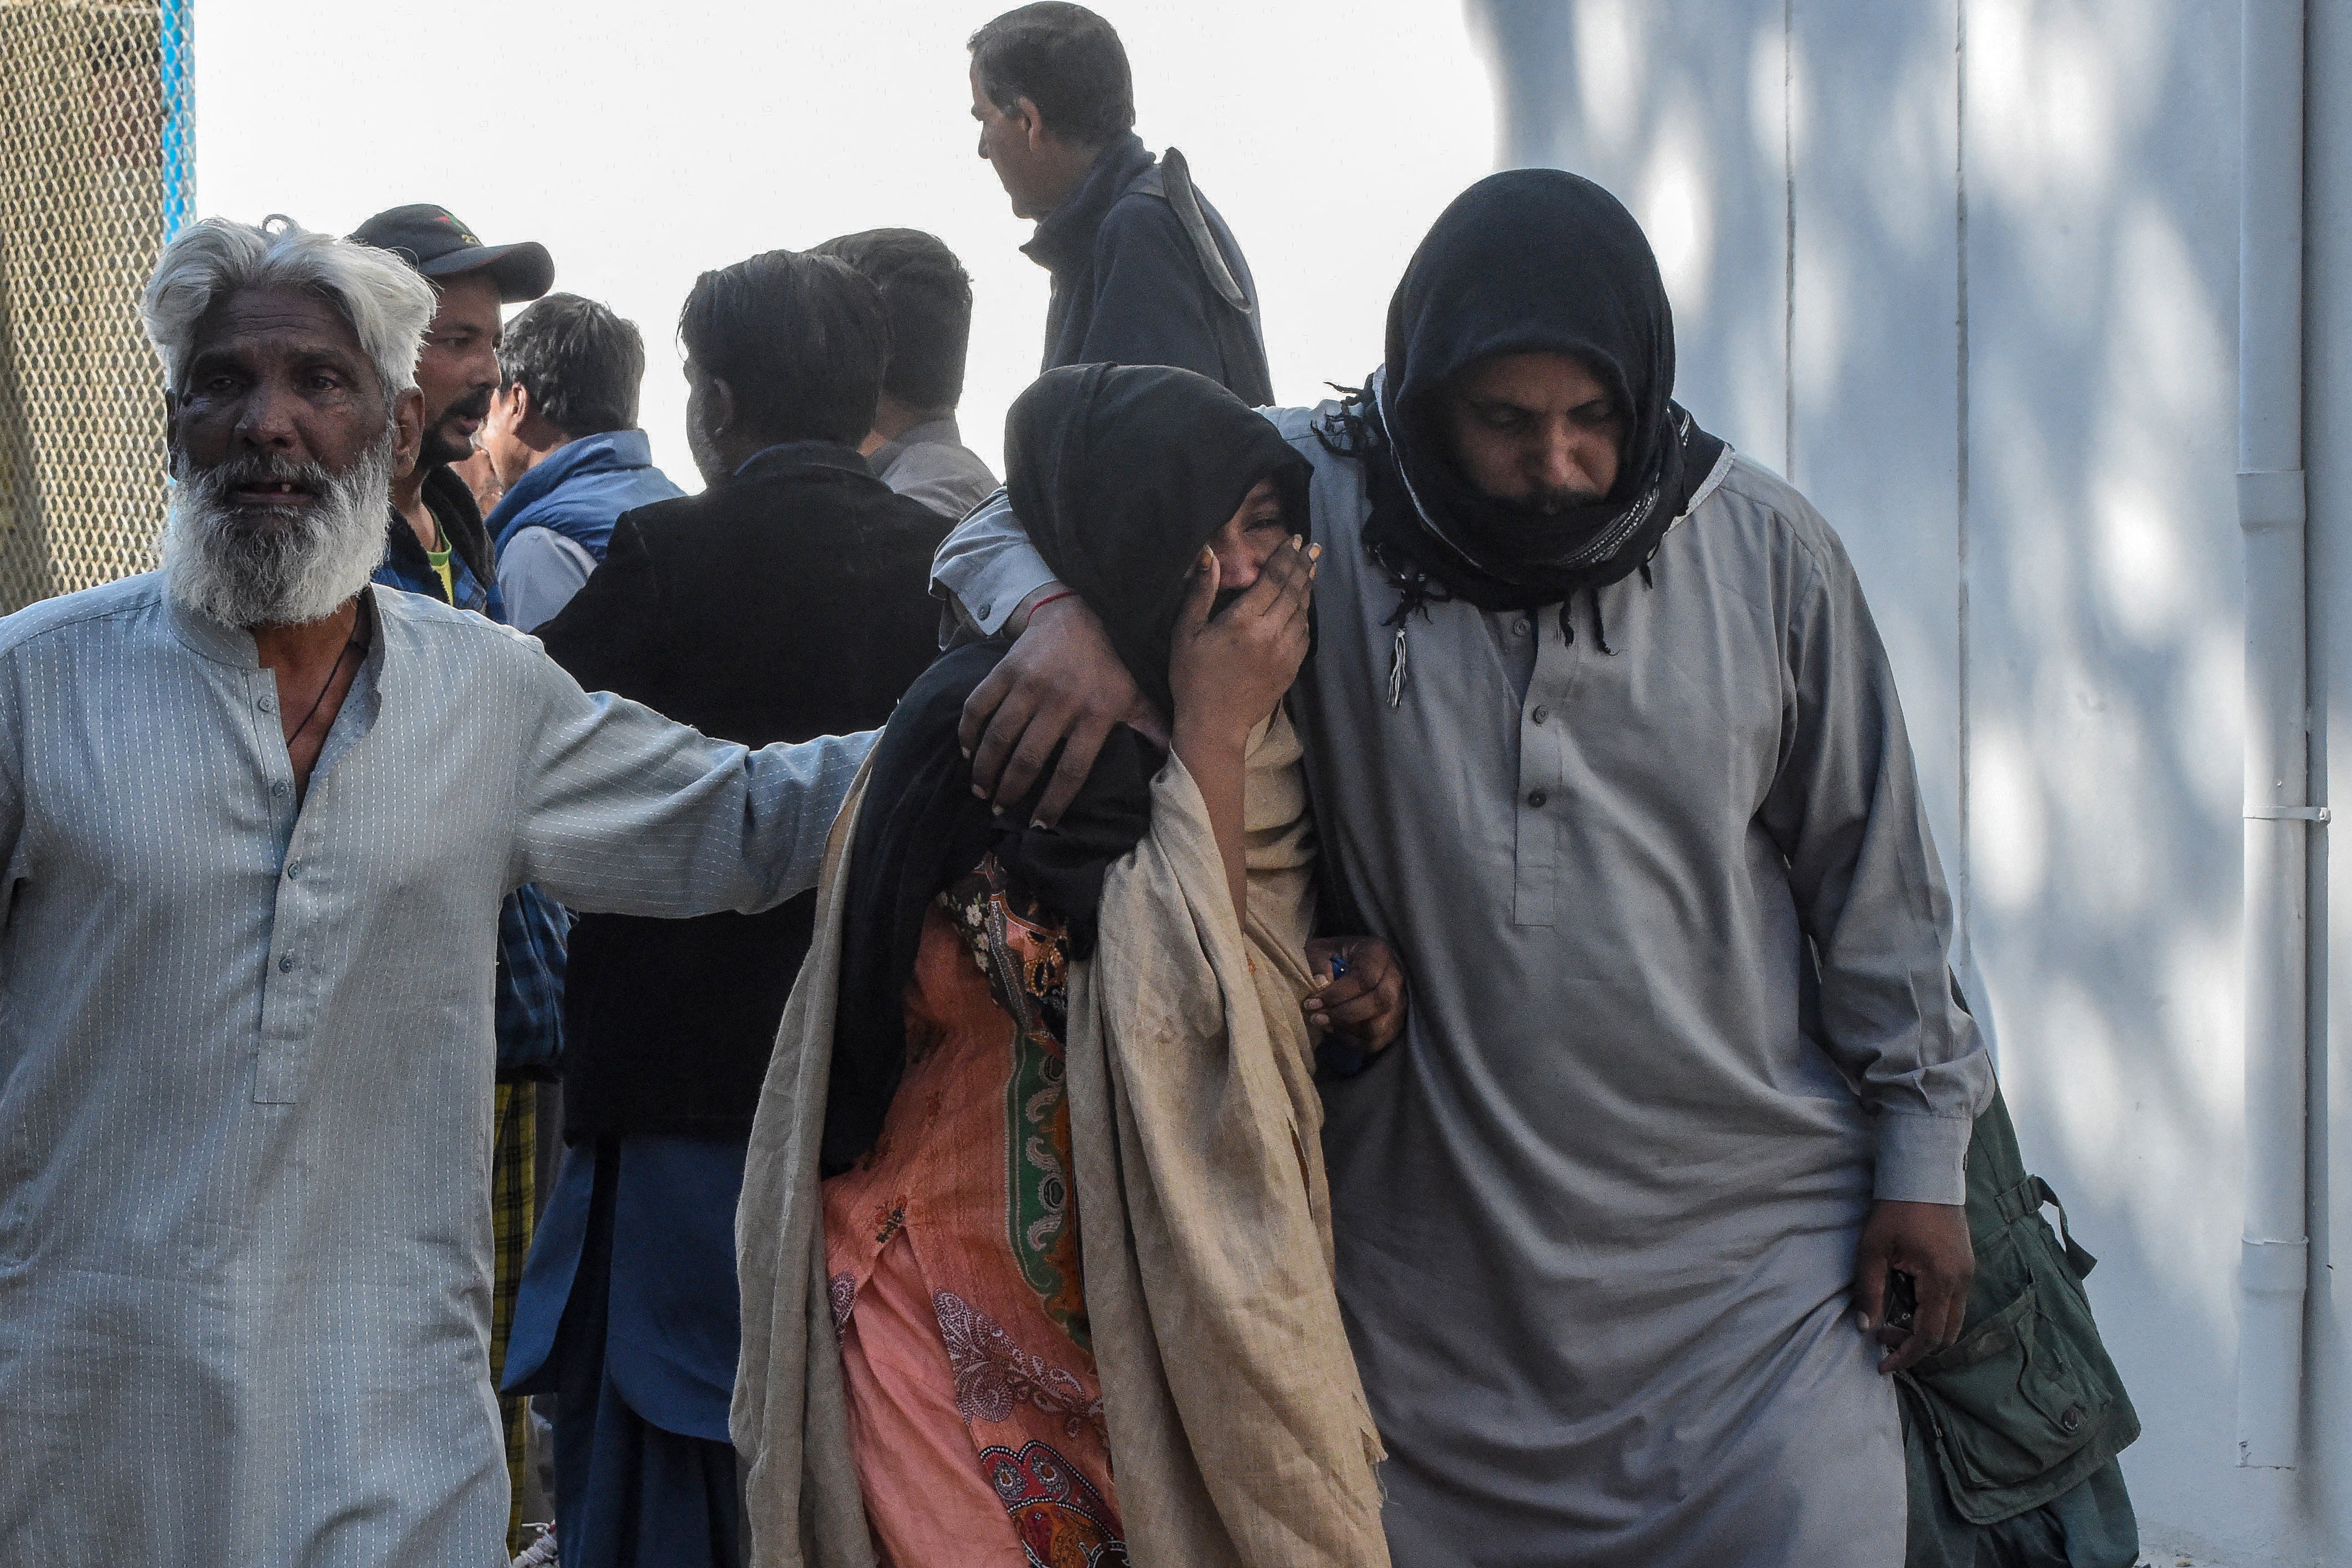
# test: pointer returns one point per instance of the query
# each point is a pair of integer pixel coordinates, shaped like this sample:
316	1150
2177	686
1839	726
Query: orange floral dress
952	1249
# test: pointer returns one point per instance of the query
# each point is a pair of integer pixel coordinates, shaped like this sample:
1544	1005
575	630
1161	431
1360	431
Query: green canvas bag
2026	1406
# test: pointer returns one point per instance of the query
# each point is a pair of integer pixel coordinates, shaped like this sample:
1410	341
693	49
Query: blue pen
1344	1058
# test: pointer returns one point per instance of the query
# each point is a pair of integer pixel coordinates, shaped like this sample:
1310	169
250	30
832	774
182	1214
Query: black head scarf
1120	475
1528	261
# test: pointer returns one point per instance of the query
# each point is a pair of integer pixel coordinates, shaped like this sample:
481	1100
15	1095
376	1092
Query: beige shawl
1239	1433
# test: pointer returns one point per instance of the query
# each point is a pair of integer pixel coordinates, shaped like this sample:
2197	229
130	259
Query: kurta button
286	963
266	705
1519	627
1542	713
292	872
279	787
1537	798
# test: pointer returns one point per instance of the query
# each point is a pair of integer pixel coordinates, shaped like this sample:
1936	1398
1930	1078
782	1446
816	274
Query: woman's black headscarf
1526	261
1120	475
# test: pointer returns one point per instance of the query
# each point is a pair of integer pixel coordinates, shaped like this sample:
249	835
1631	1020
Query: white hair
386	303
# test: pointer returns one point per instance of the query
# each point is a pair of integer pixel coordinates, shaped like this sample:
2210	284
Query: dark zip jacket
473	562
1130	286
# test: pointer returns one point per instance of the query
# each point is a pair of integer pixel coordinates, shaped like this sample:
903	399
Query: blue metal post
178	53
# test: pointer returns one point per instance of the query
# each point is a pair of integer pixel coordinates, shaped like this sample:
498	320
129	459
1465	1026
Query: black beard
1552	503
441	446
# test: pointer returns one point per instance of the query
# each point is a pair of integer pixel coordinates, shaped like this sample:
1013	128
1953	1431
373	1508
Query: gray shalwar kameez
246	1060
1597	1212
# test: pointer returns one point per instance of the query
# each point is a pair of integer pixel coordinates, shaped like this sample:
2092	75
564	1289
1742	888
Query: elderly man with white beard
258	817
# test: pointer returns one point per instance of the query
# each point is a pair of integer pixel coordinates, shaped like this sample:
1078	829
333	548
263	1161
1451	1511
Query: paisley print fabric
1059	1517
952	1263
993	1375
1026	955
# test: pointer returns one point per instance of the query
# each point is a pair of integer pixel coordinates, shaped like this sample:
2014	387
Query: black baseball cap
433	241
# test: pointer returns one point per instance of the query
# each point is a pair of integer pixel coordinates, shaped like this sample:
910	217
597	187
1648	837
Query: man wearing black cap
444	552
438	546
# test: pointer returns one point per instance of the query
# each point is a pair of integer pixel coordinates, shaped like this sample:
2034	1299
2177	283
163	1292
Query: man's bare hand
1928	1241
1060	685
1367	1004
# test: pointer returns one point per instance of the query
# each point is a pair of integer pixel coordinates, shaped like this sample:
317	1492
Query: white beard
249	566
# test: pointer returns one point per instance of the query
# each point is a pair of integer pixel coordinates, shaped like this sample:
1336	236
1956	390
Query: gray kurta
1597	1212
246	1060
931	464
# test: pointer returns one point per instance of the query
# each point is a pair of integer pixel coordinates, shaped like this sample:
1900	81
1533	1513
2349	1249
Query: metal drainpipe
2274	1263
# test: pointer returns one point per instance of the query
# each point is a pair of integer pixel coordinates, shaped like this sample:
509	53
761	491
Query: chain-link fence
94	138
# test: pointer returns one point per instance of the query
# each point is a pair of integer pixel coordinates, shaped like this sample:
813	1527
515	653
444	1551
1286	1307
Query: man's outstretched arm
620	810
1060	688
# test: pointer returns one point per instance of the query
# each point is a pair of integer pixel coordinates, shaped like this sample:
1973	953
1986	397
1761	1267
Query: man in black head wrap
1599	736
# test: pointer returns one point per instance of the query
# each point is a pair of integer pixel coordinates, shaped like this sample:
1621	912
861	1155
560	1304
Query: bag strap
2026	1199
1176	184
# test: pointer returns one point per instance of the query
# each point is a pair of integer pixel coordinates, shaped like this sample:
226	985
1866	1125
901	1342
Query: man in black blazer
789	600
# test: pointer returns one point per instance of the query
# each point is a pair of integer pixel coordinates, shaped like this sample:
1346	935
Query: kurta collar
207	638
1065	236
233	645
930	433
1707	487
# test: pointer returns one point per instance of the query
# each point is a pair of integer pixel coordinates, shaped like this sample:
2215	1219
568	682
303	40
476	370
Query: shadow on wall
1967	273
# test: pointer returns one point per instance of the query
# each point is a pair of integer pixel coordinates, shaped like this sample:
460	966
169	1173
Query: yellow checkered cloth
511	1161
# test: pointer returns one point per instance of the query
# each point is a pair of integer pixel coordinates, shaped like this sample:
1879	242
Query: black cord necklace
358	639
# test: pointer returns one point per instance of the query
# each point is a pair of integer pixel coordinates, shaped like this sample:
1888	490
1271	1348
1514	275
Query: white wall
1966	270
643	145
2327	447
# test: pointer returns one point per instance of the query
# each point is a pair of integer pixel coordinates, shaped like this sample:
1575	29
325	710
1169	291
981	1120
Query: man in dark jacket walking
1145	271
789	598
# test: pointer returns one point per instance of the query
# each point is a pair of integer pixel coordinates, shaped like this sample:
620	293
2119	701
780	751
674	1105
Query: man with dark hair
1145	271
789	597
437	546
443	552
562	434
915	445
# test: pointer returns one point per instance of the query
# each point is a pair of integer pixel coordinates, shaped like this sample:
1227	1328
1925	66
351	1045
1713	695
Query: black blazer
790	601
